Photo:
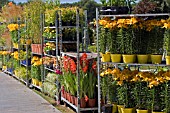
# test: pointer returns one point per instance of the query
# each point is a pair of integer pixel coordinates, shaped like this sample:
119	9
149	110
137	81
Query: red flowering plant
68	80
88	78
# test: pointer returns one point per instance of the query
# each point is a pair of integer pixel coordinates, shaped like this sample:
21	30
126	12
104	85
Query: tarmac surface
15	97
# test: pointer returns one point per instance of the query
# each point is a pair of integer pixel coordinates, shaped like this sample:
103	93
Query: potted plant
36	74
109	91
13	28
25	57
10	65
142	96
115	6
167	41
142	54
114	46
127	39
48	50
157	87
125	88
157	44
104	49
92	82
49	33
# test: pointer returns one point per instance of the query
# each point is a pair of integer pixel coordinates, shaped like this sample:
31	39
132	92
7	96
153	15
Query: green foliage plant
91	80
36	72
32	12
141	92
167	41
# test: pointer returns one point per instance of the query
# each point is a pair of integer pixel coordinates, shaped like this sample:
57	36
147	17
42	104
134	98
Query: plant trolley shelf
101	19
78	55
75	57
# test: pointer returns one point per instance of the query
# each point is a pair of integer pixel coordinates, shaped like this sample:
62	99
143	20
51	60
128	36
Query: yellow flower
154	83
135	79
103	22
116	71
12	27
121	21
102	74
163	21
108	71
120	82
166	25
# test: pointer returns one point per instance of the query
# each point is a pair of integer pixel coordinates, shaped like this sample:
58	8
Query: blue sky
62	1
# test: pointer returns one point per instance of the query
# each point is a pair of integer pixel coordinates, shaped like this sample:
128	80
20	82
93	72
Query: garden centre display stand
98	16
77	57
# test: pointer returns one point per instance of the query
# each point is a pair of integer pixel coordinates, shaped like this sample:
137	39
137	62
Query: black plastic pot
105	10
53	52
114	10
107	108
49	52
123	10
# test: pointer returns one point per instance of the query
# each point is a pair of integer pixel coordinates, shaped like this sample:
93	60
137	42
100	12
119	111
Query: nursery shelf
5	71
24	65
136	64
76	108
36	53
69	42
38	87
67	27
50	27
50	40
54	40
15	48
136	15
71	54
49	55
50	69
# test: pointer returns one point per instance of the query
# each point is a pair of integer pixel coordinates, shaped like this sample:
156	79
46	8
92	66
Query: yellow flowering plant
167	35
15	54
145	90
36	67
49	33
36	72
13	28
135	35
36	61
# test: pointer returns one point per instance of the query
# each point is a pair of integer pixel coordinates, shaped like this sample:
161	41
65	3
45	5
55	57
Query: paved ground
17	98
